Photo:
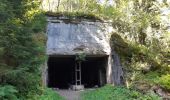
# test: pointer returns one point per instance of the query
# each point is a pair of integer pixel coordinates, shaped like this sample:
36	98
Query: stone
77	87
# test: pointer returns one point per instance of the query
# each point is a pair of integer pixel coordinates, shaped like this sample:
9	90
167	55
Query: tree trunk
58	5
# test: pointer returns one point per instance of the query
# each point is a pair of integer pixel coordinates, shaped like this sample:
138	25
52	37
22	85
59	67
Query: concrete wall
70	37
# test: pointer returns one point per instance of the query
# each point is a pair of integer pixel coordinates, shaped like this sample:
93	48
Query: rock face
69	37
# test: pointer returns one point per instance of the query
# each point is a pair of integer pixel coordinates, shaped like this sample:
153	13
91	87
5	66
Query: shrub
49	94
150	96
164	81
8	92
109	92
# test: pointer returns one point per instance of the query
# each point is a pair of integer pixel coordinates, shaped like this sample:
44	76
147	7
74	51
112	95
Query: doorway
61	71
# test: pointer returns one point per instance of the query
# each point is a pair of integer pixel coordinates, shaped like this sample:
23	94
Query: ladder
78	73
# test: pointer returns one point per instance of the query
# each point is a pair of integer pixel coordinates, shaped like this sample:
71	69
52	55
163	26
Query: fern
8	92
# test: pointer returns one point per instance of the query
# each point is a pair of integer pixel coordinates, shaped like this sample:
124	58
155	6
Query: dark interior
61	72
90	71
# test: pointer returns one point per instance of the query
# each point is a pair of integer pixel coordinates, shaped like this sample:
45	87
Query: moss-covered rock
120	46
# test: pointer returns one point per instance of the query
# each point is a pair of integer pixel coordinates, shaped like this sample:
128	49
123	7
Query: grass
50	94
109	92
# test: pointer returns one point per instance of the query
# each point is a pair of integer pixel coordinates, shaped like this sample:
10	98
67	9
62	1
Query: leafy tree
21	54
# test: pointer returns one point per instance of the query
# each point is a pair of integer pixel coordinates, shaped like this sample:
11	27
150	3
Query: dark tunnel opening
94	71
61	72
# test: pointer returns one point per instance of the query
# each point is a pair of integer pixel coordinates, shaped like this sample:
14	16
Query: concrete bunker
68	37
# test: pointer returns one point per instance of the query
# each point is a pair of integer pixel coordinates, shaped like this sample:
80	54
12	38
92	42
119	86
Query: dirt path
70	94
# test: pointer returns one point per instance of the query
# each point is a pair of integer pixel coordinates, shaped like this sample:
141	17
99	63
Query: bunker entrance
61	72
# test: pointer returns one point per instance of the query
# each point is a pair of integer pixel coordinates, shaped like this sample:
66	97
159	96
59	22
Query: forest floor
70	94
109	92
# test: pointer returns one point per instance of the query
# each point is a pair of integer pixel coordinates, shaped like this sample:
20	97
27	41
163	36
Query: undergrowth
50	94
109	92
47	94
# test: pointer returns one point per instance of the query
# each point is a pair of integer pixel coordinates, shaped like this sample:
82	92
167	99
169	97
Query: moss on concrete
74	15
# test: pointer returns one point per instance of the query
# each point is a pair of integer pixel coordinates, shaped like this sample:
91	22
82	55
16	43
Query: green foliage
143	65
38	23
151	96
21	55
143	82
45	94
85	6
120	46
75	15
164	81
81	57
24	81
50	94
117	93
150	77
8	92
